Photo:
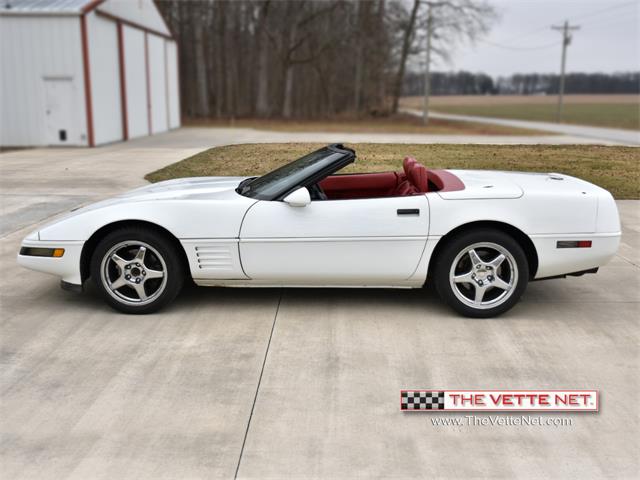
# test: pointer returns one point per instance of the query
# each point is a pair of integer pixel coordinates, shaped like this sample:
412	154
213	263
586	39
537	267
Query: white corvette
478	236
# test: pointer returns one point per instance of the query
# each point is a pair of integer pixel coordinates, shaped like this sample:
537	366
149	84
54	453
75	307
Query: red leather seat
419	178
364	185
415	179
405	187
407	165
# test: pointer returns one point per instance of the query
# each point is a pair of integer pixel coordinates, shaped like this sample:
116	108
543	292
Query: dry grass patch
401	123
615	168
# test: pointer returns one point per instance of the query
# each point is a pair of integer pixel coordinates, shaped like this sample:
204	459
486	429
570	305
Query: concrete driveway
285	383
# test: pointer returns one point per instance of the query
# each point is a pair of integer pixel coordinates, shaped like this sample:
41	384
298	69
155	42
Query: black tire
159	256
488	244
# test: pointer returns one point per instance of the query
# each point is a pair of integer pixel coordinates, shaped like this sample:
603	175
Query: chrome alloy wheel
483	275
133	272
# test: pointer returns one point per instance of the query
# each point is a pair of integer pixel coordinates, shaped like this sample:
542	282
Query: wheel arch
518	235
91	244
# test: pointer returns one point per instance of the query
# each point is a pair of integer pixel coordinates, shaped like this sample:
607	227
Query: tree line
308	58
468	83
321	58
246	58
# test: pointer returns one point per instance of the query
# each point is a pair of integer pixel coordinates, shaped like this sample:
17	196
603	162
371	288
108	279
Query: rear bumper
66	267
553	261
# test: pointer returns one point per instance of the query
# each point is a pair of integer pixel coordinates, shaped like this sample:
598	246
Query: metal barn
85	72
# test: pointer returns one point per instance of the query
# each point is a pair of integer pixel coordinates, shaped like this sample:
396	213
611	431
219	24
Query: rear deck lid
483	184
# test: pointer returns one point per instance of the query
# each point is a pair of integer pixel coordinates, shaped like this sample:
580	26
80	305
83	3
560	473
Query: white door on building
58	110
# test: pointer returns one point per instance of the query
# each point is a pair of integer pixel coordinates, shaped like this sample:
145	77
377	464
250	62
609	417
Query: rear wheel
481	273
137	270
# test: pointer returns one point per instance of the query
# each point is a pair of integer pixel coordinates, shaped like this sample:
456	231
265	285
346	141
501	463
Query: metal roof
142	14
43	7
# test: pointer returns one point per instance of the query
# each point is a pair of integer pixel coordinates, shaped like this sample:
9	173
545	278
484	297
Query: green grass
612	115
615	168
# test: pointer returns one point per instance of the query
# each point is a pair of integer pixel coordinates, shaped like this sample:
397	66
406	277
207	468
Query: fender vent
214	257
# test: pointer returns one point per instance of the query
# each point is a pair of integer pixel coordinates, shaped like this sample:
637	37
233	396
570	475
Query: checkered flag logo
421	400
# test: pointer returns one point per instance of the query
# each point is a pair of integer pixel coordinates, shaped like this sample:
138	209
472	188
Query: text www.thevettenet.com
500	421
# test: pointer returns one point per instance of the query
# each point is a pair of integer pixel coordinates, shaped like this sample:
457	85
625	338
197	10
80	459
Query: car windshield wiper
245	186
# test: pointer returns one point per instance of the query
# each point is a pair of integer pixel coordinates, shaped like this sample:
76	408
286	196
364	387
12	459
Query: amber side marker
573	244
41	252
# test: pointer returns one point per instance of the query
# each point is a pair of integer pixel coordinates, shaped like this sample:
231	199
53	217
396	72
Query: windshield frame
336	156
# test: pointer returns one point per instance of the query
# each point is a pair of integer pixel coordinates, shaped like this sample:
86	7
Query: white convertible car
478	236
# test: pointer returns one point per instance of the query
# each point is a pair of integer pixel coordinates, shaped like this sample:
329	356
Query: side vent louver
214	257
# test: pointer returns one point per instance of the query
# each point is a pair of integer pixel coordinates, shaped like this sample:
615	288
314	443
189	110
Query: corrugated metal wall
105	79
173	86
158	84
136	81
34	50
42	70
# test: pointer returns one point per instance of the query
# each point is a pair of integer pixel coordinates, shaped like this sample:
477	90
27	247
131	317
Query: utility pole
358	60
566	30
427	71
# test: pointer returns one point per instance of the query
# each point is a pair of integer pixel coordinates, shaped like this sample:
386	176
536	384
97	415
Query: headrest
419	177
407	164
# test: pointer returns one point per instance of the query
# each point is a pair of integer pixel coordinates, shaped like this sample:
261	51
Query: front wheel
137	270
481	273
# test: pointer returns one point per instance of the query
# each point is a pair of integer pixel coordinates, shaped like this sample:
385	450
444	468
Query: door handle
408	211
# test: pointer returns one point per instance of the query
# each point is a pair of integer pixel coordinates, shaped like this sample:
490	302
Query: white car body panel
209	259
67	267
322	243
560	261
547	206
478	185
238	241
188	208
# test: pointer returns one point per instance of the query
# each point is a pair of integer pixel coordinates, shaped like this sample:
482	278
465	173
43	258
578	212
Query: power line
605	10
509	47
587	15
597	23
526	34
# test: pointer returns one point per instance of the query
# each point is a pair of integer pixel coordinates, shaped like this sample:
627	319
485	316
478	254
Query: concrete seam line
255	397
627	260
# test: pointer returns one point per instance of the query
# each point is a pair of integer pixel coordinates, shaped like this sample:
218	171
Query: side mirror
298	198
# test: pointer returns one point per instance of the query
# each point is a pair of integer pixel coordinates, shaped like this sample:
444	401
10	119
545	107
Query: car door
377	241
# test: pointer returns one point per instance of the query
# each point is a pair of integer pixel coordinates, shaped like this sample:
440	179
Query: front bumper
66	267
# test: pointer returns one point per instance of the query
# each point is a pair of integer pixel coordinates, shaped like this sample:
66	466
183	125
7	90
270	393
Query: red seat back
419	178
407	165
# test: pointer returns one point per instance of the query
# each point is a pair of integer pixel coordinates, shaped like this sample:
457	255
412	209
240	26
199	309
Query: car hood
183	187
195	188
180	189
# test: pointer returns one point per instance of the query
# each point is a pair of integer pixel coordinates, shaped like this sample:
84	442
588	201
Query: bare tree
299	58
440	24
446	22
408	31
262	72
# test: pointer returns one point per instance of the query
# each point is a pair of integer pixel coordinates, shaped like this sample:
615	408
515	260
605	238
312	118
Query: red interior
414	179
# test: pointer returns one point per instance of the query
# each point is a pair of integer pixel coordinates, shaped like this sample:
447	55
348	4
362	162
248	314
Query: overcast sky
608	39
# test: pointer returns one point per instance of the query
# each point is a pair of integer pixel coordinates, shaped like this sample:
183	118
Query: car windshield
289	176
